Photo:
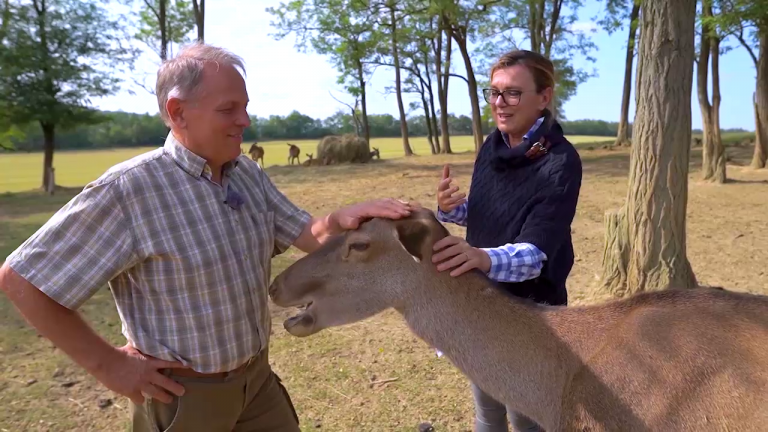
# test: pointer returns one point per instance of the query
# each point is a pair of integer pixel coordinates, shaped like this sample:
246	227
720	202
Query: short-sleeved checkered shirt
187	260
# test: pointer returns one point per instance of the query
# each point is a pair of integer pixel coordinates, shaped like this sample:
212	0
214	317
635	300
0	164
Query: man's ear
176	112
414	235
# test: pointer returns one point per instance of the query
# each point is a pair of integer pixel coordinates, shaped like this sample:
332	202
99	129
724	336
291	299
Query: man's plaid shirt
187	260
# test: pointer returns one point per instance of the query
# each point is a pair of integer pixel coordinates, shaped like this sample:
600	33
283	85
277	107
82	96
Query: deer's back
693	362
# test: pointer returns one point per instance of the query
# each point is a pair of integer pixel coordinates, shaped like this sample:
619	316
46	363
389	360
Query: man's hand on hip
136	376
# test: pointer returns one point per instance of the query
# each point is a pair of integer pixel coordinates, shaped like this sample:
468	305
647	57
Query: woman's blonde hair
541	68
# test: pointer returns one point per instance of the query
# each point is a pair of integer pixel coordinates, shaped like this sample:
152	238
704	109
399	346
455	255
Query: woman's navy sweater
518	199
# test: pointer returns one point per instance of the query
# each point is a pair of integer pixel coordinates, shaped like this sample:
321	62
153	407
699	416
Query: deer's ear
414	235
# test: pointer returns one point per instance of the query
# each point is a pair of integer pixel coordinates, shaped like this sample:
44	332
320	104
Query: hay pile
347	148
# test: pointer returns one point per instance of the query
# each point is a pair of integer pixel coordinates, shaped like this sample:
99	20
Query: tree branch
152	9
143	86
459	76
741	39
341	102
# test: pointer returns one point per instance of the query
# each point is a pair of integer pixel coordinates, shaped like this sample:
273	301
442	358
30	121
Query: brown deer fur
257	152
310	160
293	153
673	360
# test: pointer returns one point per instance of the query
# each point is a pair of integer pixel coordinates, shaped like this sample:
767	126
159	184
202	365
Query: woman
525	187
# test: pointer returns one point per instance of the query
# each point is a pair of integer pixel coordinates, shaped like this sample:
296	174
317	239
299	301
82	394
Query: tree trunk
442	87
431	102
622	137
543	38
165	32
713	151
535	25
477	122
199	8
6	17
358	125
761	104
646	240
48	84
427	119
434	121
638	69
398	87
363	104
48	144
162	22
758	135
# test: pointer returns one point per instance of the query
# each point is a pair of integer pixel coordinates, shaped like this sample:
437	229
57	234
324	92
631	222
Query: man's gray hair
180	76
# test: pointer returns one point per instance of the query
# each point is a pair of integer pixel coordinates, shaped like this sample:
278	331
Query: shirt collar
190	162
530	132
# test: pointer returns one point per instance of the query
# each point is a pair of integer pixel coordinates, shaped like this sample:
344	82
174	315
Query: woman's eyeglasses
510	97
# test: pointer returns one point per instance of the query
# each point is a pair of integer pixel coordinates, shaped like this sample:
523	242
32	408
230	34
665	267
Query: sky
280	78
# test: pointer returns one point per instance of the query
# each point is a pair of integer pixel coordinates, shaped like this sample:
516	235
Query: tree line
121	129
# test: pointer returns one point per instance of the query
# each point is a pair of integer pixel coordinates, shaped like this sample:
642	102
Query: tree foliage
56	56
162	23
747	21
340	29
550	28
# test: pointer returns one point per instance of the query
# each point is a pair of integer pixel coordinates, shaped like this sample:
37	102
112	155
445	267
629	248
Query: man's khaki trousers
250	400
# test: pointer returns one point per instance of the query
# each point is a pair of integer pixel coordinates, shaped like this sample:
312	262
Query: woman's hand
455	253
446	200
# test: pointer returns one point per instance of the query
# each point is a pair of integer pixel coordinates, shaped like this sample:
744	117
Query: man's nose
244	119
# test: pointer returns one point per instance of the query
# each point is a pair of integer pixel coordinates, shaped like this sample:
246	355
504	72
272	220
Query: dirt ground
332	376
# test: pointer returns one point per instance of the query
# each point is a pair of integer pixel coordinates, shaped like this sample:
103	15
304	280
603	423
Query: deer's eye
359	246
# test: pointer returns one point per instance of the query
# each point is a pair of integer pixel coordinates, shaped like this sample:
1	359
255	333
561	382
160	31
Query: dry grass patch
332	376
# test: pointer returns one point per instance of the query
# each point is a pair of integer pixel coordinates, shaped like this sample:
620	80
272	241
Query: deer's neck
502	345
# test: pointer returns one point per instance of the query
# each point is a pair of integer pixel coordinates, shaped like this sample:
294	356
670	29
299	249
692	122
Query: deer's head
358	274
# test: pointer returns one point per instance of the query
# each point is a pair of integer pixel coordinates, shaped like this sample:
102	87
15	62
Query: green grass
24	171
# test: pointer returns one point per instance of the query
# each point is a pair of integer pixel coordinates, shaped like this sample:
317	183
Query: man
184	236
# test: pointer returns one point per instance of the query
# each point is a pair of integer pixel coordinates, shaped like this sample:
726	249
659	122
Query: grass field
329	375
24	171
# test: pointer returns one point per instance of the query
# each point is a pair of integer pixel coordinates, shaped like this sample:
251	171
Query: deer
257	152
670	360
293	153
375	153
310	157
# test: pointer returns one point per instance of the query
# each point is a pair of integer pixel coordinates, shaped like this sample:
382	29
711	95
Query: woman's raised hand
447	198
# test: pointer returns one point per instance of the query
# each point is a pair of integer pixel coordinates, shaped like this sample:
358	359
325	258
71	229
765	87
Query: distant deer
293	153
672	360
375	153
308	162
257	152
